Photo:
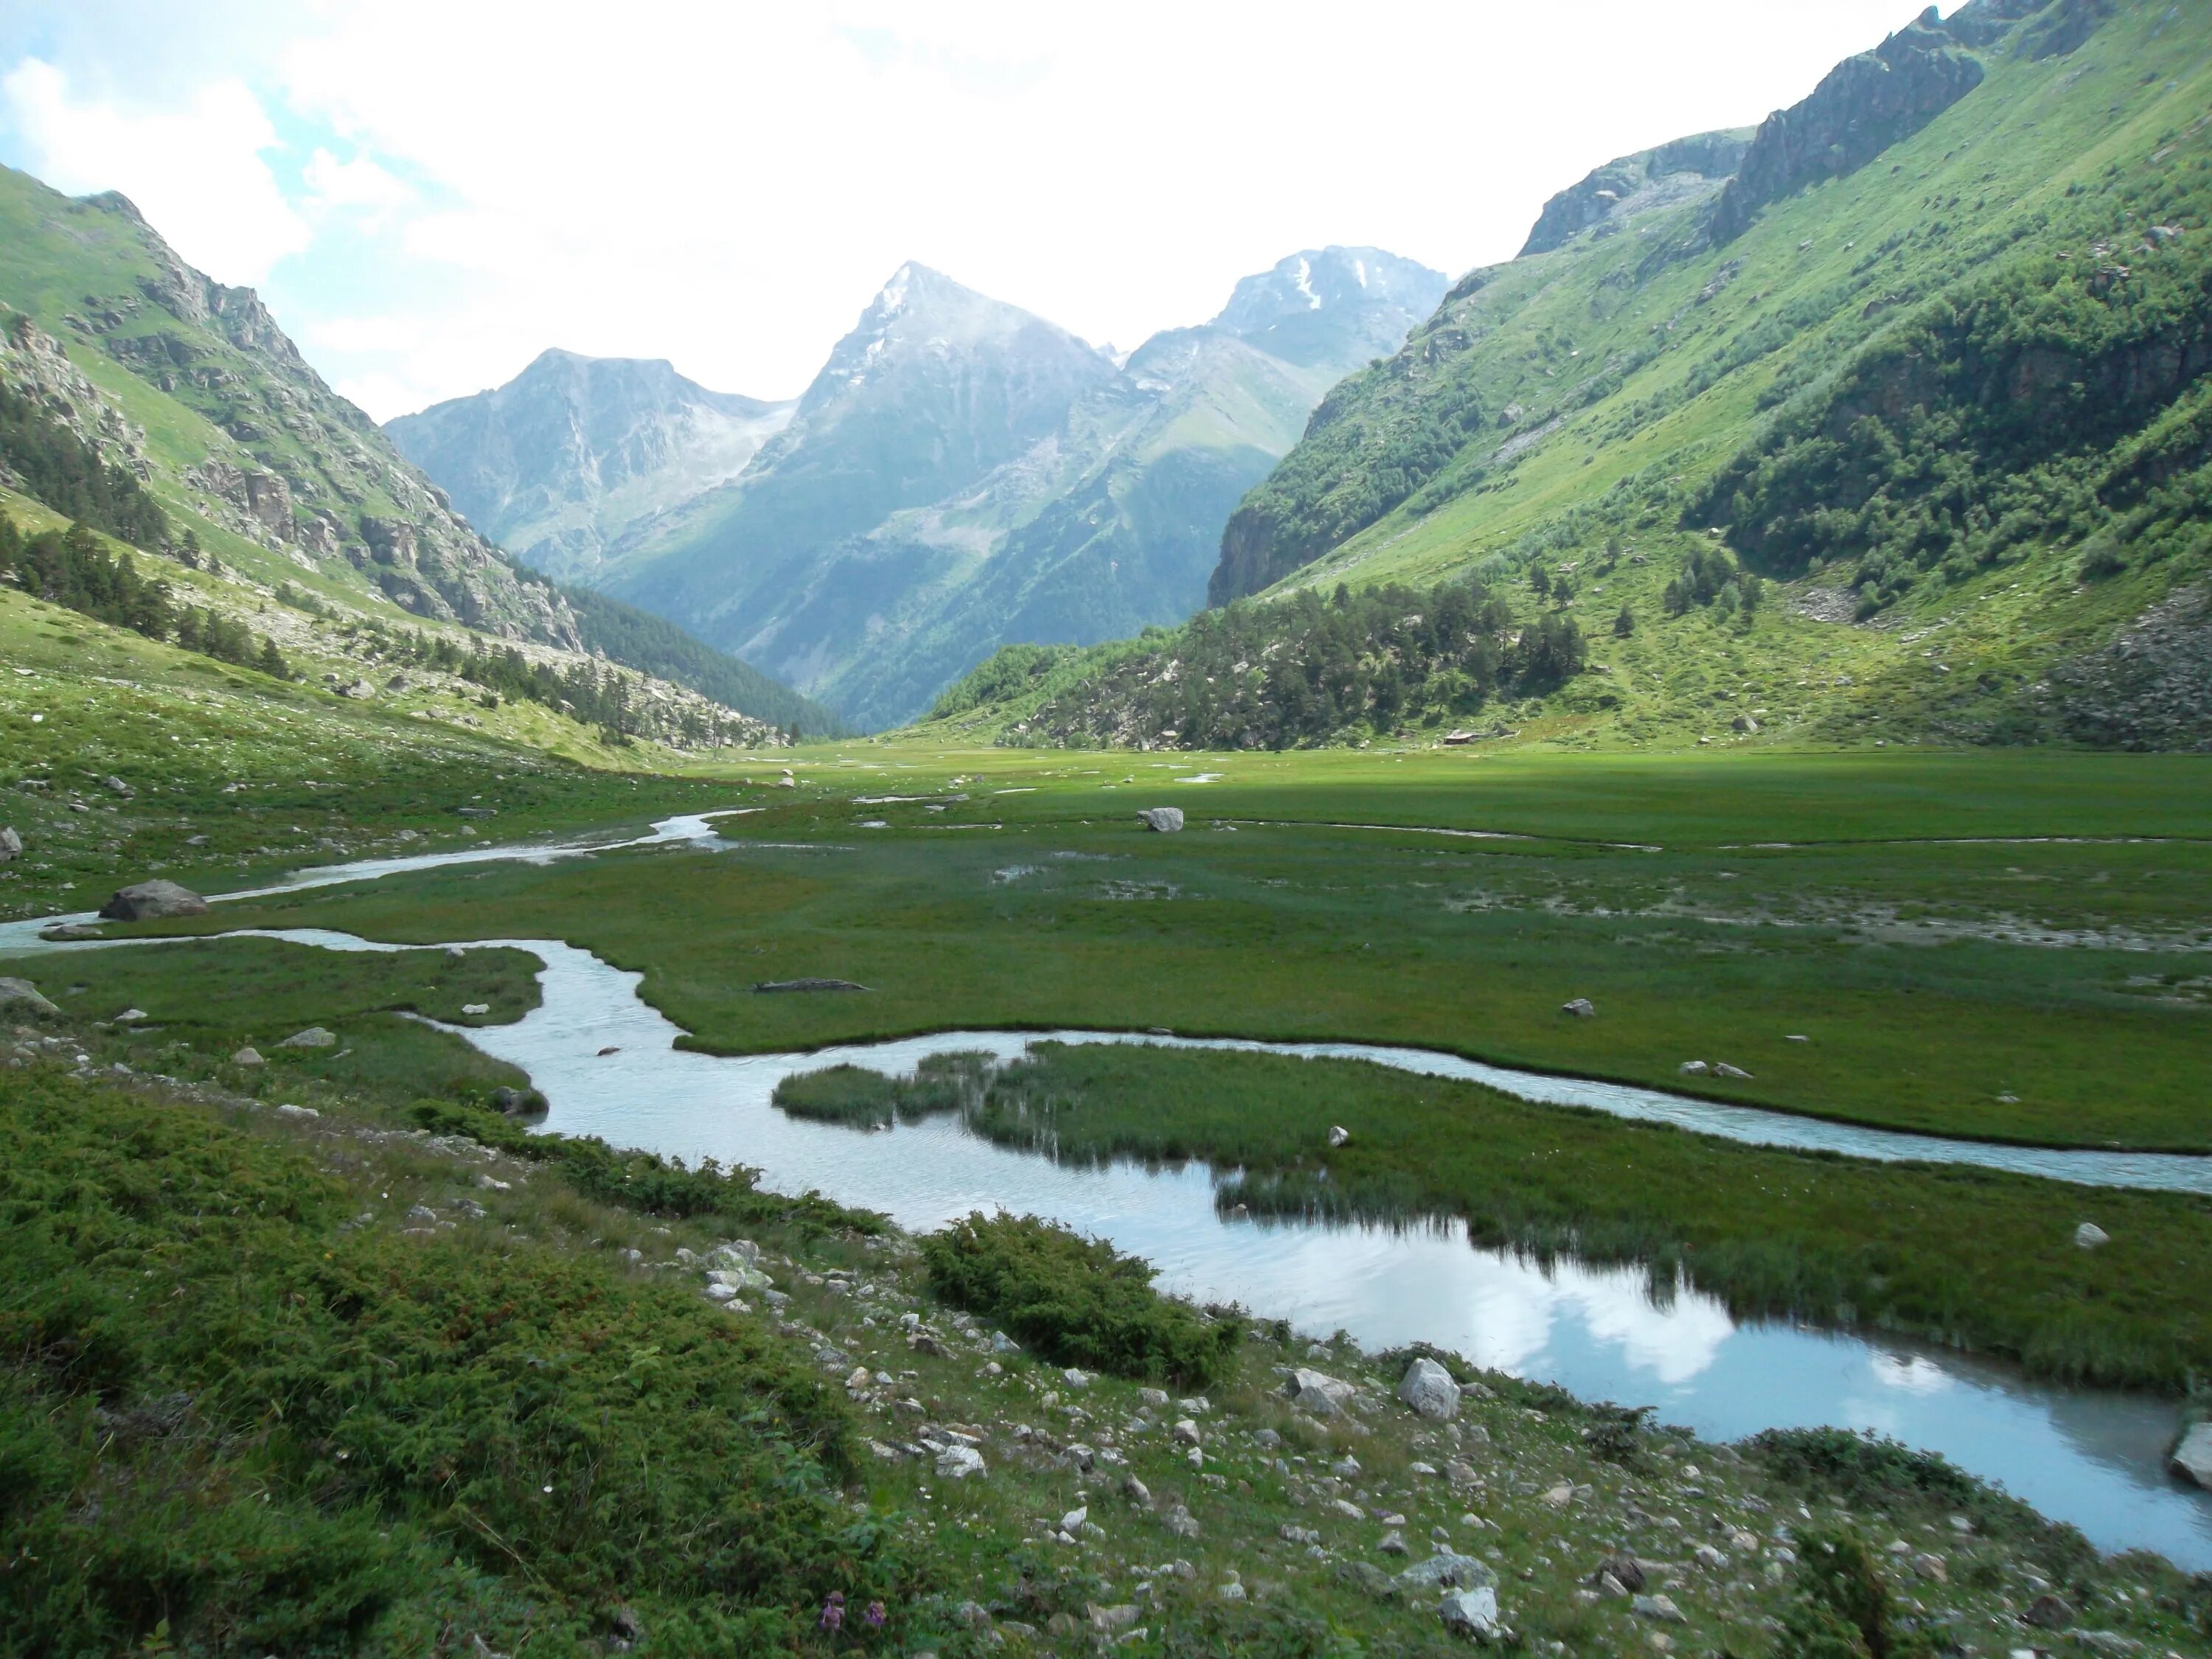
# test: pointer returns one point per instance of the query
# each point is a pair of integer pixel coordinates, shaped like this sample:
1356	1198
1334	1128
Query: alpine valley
1515	963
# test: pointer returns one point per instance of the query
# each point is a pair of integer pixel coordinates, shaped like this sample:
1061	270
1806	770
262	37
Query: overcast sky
428	192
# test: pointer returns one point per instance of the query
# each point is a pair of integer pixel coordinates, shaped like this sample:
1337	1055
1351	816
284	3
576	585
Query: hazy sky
430	191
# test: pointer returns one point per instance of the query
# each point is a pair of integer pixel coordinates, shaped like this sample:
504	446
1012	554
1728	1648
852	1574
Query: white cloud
195	170
726	184
335	186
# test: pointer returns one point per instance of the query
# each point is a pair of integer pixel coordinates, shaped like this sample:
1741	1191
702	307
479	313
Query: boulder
21	996
958	1462
1625	1571
2048	1613
1166	820
246	1056
2090	1236
1339	1135
1471	1614
313	1037
1313	1391
11	844
1722	1069
1429	1388
1694	1068
1448	1570
2192	1459
1659	1607
1579	1008
149	900
116	785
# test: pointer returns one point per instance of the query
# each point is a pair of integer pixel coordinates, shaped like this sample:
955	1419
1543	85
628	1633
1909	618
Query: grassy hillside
1948	401
173	412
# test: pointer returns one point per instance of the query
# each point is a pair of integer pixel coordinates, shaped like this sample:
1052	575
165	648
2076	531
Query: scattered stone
1153	1396
1136	1491
476	1008
2090	1236
1744	724
1313	1391
1722	1069
70	932
1625	1571
1075	1378
116	785
149	900
2048	1612
1180	1523
1393	1542
1339	1135
1661	1608
130	1017
1112	1621
2192	1459
1163	820
247	1056
1363	1575
1431	1390
1471	1614
297	1111
957	1462
313	1037
1694	1068
11	844
1186	1432
1579	1008
1073	1520
1447	1569
20	995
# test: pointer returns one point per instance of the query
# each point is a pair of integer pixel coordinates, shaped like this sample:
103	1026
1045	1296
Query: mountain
566	459
270	501
1888	421
962	474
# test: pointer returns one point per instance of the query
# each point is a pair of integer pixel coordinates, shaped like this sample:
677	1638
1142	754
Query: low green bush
857	1098
233	1418
1076	1301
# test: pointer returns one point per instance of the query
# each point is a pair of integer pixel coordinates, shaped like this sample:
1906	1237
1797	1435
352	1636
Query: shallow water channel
2090	1457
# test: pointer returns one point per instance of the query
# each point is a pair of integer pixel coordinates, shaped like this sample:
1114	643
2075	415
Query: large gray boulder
21	996
149	900
315	1036
1430	1389
1165	819
1318	1393
2192	1459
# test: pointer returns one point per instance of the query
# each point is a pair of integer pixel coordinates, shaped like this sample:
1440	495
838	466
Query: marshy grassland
1995	946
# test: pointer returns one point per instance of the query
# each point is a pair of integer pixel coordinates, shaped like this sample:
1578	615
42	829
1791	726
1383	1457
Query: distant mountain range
960	474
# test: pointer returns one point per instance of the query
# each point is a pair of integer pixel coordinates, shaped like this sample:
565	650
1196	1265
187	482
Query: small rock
246	1056
149	900
2090	1236
1661	1608
1560	1496
1445	1569
957	1462
1163	820
1393	1542
1075	1379
11	844
1579	1008
1135	1490
297	1111
1186	1431
1471	1614
1931	1567
1111	1621
1431	1390
1722	1069
116	785
313	1037
1153	1396
1624	1570
1339	1135
1180	1523
476	1008
2048	1612
1073	1520
1694	1068
2192	1459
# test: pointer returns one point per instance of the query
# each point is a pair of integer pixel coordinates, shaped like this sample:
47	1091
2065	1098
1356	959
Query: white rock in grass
2192	1458
1430	1389
1471	1614
2090	1236
313	1037
1165	820
958	1462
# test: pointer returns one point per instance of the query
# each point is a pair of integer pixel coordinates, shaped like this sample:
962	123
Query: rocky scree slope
1930	363
575	454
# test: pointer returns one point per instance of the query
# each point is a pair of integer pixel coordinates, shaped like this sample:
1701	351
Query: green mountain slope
1931	362
264	487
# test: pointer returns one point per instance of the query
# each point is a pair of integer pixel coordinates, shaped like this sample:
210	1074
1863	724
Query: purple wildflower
874	1615
833	1612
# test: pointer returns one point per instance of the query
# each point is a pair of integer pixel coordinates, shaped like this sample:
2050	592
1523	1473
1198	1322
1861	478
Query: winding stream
2090	1457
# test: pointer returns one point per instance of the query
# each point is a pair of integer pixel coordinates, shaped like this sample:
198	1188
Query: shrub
1075	1300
